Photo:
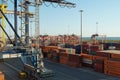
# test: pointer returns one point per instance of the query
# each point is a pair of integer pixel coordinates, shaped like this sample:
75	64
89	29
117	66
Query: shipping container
87	60
112	67
98	63
74	60
2	77
64	58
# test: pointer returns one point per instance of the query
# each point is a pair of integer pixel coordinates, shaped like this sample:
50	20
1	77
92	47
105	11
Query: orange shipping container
115	69
104	54
67	50
99	58
74	60
1	76
105	69
87	56
112	67
87	60
98	67
64	58
113	63
48	48
98	62
115	56
113	73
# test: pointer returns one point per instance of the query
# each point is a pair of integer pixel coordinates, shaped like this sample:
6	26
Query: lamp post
15	19
81	11
96	27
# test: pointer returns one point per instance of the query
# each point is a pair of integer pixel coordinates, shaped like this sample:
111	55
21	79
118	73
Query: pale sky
63	20
55	21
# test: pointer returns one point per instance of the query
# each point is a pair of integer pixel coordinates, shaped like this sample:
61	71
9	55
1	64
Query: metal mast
81	11
37	26
26	22
25	15
15	20
37	17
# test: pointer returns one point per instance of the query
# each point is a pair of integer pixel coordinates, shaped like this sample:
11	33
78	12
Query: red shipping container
99	67
64	58
115	56
113	73
74	60
104	54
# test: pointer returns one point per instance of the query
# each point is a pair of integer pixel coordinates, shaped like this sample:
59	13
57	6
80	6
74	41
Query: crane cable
47	5
62	6
54	5
57	4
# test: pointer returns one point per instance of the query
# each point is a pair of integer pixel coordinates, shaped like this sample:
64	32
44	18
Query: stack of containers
48	50
55	55
115	56
87	60
74	60
103	54
94	49
112	66
62	50
67	50
85	48
64	58
98	63
49	54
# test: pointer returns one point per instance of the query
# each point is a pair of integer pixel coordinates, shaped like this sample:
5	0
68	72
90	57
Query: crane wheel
22	75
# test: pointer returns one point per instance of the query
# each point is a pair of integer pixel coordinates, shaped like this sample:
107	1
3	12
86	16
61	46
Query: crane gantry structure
3	6
36	3
36	56
25	14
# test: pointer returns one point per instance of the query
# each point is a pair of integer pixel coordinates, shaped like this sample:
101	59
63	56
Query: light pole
81	11
96	27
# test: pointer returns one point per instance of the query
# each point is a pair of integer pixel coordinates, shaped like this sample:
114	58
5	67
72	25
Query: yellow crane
3	8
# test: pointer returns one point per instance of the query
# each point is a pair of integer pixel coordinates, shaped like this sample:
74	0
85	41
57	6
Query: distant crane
94	36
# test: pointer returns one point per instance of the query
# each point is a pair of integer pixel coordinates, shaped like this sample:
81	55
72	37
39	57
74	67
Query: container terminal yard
47	57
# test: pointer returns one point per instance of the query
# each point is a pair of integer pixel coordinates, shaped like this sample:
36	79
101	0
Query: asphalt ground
61	72
64	72
10	74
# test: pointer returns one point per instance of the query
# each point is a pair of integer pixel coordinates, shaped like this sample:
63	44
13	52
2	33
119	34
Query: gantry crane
37	5
37	59
37	15
3	6
94	38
